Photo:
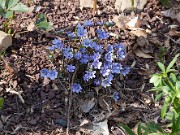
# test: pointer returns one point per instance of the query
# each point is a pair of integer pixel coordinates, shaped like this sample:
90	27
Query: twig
70	101
170	38
94	7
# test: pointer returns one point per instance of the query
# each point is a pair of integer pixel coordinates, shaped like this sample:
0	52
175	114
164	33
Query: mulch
45	108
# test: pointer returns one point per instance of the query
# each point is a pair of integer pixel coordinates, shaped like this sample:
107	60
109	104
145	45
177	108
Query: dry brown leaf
174	33
172	13
87	105
141	54
134	23
31	26
140	32
120	21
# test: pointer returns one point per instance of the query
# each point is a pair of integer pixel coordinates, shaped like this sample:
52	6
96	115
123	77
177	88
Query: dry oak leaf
141	54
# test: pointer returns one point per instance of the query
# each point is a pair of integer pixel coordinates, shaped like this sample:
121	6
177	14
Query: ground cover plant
77	67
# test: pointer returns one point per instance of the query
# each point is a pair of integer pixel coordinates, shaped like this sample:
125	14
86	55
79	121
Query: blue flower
68	52
100	23
76	88
109	48
86	42
70	68
88	23
106	82
116	68
96	56
116	96
44	73
97	82
125	71
98	48
96	64
105	71
82	50
110	77
89	75
58	44
121	54
52	48
84	59
52	74
71	34
109	57
81	32
78	55
102	34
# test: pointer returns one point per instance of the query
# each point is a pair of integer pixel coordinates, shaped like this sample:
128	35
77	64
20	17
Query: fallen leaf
172	13
174	33
120	21
139	33
141	54
87	105
134	23
100	128
31	26
86	3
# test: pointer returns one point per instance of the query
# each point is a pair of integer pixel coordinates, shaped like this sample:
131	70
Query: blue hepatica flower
109	57
88	23
100	23
109	48
84	59
89	75
52	74
86	42
102	34
71	34
81	32
52	48
76	88
70	68
78	55
116	68
106	82
44	73
82	50
96	64
97	82
105	71
121	54
116	96
68	52
124	71
96	56
58	44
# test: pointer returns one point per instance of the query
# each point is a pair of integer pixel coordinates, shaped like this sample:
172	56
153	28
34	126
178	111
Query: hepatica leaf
20	7
42	23
11	3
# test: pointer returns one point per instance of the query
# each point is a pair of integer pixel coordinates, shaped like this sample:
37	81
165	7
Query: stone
126	5
5	40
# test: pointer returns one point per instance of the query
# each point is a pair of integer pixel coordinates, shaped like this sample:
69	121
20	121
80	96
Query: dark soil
45	108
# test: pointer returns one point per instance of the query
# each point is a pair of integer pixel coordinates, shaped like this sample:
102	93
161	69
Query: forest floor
44	110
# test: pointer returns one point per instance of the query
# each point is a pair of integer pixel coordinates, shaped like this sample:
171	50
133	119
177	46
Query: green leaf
139	129
173	77
162	67
2	4
127	129
166	90
165	2
164	110
1	102
11	3
20	7
44	26
172	63
8	14
158	82
154	78
178	86
41	18
158	96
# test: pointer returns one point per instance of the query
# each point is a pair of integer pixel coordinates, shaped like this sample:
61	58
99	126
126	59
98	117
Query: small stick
70	101
94	7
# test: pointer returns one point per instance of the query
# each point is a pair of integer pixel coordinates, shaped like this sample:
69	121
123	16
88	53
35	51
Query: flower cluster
102	63
51	74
